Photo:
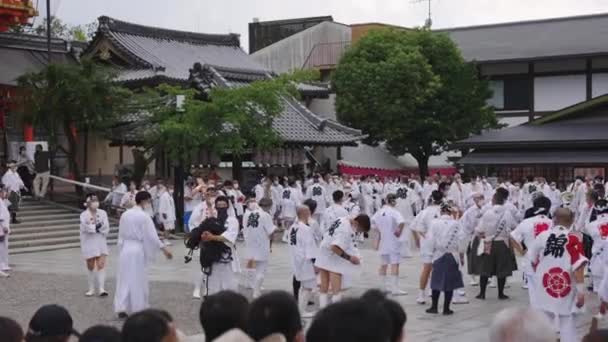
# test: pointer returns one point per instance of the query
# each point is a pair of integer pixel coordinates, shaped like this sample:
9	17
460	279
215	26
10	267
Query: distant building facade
262	34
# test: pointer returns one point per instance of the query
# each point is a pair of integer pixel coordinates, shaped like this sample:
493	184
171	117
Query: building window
511	93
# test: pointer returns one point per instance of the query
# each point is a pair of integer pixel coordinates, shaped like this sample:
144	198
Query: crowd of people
560	237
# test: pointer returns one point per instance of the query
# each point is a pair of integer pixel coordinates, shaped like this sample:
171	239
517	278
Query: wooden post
237	168
178	196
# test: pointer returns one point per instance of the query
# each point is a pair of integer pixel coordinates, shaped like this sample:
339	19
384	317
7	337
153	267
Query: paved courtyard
59	277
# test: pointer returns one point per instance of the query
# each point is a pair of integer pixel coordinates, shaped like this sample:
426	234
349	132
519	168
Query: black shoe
122	315
448	312
103	294
503	297
432	311
481	296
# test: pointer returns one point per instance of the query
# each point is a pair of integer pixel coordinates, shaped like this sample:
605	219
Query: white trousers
41	183
566	327
222	277
4	253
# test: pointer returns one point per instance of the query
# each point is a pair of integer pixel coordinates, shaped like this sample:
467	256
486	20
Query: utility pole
428	22
48	30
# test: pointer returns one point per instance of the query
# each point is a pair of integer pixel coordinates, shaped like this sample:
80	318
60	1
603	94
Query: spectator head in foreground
275	313
394	310
149	326
100	333
222	312
351	320
51	323
10	331
521	324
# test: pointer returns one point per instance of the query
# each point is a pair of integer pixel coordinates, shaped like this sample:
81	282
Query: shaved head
564	217
303	212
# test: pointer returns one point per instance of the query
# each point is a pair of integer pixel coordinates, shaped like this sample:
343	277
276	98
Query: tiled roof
160	53
525	40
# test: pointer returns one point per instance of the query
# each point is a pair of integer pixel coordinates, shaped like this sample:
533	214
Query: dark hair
10	330
530	178
142	196
223	311
436	197
542	202
364	222
503	193
499	198
222	199
227	183
100	333
145	326
350	320
274	312
394	310
338	195
291	181
311	204
441	187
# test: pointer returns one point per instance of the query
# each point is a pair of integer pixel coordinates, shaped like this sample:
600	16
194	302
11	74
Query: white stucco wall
558	92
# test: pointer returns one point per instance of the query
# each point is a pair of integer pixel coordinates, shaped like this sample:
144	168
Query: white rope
85	185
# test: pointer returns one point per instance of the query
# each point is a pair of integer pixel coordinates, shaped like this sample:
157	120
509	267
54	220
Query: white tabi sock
384	282
101	280
91	280
323	300
257	284
303	298
336	298
421	293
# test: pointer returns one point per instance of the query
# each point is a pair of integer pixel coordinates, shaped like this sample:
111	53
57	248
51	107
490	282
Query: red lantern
15	12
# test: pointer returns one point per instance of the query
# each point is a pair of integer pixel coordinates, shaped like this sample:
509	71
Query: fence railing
64	191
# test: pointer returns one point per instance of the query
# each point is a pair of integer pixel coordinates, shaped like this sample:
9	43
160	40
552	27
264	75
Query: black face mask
222	214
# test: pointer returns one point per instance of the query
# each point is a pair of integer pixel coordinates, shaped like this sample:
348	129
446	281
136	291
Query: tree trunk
140	165
423	165
178	196
72	155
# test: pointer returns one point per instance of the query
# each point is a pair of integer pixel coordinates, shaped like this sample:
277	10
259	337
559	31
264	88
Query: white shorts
426	251
390	259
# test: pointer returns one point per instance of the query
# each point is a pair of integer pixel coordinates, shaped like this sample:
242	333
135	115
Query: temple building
147	56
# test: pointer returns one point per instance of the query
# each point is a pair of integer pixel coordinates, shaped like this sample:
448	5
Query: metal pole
48	30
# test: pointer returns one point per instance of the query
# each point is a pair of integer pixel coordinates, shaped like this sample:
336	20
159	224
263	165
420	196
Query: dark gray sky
222	16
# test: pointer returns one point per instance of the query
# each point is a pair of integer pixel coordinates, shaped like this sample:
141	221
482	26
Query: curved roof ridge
111	24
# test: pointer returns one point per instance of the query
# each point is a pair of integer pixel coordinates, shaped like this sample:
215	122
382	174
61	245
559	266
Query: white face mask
94	205
236	185
251	206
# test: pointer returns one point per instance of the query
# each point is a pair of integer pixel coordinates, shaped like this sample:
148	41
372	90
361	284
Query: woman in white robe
94	229
138	243
5	218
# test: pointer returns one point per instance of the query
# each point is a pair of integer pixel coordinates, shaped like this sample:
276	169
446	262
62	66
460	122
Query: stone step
44	211
51	241
27	223
44	229
47	217
36	249
68	233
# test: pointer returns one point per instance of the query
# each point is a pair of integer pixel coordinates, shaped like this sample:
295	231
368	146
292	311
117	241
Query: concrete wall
291	53
103	159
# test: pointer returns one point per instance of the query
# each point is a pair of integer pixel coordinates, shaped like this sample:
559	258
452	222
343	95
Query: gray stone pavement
59	277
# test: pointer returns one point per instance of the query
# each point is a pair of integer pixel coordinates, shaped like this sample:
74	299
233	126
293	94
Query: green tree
413	91
63	97
59	29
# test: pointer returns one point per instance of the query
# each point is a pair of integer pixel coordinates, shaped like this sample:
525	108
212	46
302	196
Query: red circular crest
557	282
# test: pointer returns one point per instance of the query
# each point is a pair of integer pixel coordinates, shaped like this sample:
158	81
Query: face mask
251	206
94	205
275	183
222	214
147	187
171	191
236	186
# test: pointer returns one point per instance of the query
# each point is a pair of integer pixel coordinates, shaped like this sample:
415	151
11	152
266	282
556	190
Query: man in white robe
317	192
303	251
5	231
559	263
138	244
166	213
390	225
258	228
94	229
335	211
13	183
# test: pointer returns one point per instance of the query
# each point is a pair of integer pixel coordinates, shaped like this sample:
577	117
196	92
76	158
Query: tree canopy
63	97
411	90
60	29
226	119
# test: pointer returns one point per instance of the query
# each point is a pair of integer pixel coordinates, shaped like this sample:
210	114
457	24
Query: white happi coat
556	254
317	192
342	235
93	243
5	230
303	249
138	244
602	287
527	231
598	230
406	202
367	199
497	223
115	196
166	210
12	181
258	227
469	221
128	200
290	199
446	236
458	195
224	274
331	214
387	221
